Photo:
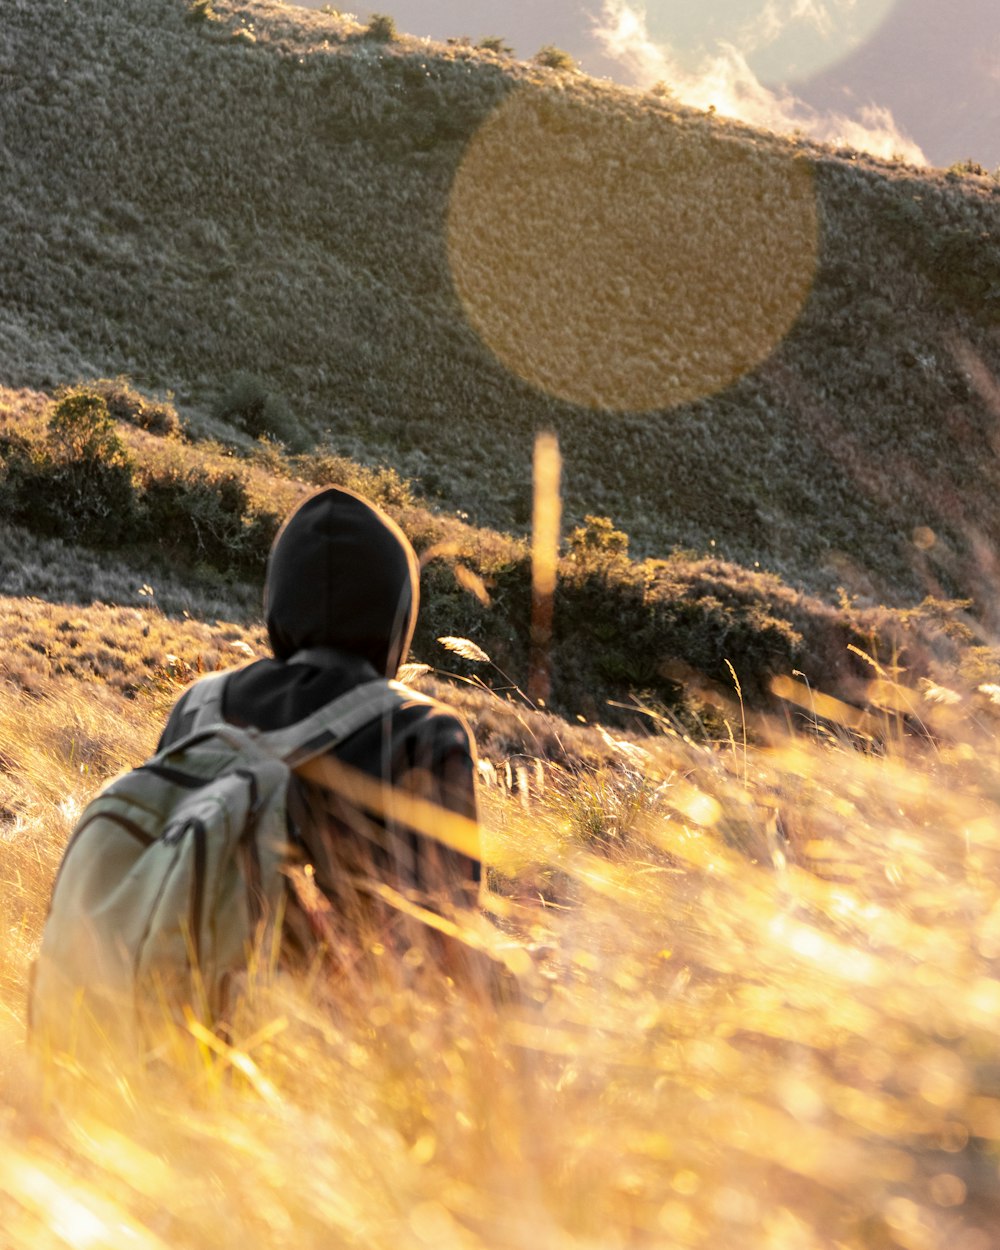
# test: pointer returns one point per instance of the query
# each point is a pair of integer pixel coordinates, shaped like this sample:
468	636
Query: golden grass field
759	1009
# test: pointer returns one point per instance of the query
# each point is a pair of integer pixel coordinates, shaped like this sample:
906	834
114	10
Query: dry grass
759	1010
130	650
59	572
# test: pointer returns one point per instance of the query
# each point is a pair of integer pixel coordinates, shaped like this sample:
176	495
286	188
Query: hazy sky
917	77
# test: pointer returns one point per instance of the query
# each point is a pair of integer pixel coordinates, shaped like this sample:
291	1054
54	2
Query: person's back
341	600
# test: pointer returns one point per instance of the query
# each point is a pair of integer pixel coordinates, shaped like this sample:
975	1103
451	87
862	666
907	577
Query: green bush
495	43
79	486
968	166
18	458
596	544
125	403
382	29
81	428
446	608
201	11
92	503
248	403
383	486
554	58
203	519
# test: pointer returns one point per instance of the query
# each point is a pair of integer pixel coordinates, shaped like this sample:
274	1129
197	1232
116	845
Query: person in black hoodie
341	599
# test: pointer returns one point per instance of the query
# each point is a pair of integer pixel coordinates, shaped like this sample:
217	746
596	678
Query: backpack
171	889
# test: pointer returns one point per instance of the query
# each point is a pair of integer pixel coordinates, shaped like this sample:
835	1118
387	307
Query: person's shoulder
208	687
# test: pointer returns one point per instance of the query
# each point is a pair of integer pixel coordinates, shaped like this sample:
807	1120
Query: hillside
106	501
750	348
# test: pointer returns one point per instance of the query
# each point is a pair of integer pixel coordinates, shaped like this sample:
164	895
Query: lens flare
618	260
784	40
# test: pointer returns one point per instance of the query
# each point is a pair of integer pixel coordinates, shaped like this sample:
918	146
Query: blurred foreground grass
758	1010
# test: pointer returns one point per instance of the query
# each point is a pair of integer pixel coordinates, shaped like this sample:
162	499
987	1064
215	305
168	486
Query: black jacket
342	577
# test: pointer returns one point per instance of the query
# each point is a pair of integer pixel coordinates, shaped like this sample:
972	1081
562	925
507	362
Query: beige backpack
171	888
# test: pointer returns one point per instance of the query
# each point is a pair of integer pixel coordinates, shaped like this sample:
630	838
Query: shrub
249	404
269	454
201	11
381	28
968	166
597	541
125	403
81	428
205	519
88	502
17	467
78	485
383	486
495	43
552	57
966	266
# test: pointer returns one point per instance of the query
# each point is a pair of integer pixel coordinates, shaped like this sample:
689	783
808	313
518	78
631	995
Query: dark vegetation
381	28
247	403
657	633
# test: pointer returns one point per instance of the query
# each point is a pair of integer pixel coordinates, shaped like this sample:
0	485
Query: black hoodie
342	576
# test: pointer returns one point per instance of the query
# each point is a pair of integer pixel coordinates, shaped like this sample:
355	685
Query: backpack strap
203	704
330	725
296	744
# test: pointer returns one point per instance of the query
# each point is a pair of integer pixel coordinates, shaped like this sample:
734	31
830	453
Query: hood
342	574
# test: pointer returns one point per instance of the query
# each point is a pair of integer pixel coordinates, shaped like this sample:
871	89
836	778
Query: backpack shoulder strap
203	702
335	722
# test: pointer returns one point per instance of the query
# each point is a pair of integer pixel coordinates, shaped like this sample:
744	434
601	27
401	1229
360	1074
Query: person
341	599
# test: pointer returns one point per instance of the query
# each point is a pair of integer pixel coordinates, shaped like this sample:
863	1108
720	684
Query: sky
914	78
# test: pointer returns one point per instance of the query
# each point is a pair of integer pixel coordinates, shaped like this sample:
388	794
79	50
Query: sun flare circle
619	260
784	41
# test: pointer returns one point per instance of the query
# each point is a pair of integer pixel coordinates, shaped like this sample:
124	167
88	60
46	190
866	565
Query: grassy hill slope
267	190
